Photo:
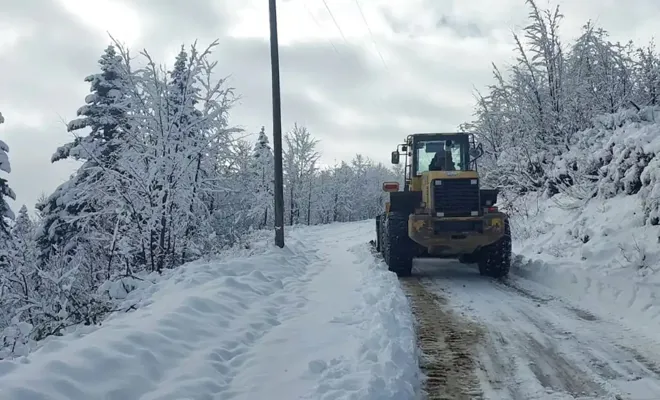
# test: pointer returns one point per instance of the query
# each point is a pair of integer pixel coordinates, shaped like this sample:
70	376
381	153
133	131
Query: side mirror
476	152
395	157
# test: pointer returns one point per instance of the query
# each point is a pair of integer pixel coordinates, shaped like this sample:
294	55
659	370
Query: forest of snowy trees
547	124
164	178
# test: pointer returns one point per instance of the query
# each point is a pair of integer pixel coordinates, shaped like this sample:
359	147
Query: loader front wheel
397	245
495	259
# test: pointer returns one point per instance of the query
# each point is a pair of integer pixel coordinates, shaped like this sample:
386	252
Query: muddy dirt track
513	339
445	340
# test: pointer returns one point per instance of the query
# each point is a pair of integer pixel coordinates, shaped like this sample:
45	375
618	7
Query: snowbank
319	319
599	241
601	255
617	156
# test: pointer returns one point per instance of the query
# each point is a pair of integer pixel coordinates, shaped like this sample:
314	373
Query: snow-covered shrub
618	156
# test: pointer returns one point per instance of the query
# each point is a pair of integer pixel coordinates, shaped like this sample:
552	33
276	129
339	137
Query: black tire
468	258
495	259
397	246
381	235
378	234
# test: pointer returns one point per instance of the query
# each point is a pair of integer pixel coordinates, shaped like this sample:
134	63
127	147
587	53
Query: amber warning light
391	186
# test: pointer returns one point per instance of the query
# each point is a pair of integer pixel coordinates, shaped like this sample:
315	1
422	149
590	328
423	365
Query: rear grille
458	226
456	197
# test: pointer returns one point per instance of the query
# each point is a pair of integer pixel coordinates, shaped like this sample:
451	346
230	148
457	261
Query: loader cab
436	152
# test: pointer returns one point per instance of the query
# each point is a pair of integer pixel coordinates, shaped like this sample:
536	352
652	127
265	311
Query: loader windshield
431	155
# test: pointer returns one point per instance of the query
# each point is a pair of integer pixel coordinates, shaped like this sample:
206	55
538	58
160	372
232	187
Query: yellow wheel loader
442	211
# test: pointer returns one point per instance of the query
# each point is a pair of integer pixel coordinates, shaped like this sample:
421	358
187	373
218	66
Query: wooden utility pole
277	127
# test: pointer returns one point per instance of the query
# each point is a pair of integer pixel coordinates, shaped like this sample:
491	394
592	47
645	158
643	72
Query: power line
373	39
334	20
316	21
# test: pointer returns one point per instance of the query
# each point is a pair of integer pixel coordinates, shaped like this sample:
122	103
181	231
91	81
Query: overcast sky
434	53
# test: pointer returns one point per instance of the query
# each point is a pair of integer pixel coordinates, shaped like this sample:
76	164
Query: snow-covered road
323	319
319	319
521	342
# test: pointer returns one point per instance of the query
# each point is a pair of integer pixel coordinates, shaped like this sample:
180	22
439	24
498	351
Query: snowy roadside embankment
599	241
318	319
601	255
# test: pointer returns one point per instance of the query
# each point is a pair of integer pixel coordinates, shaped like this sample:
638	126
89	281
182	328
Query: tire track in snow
535	345
446	343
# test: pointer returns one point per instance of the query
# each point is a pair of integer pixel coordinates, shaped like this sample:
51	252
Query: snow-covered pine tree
182	98
23	229
68	211
105	113
14	292
24	245
5	191
261	170
183	149
21	281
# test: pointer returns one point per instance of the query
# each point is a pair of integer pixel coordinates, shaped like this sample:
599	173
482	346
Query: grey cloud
175	22
440	12
425	89
396	24
32	173
464	29
176	17
51	62
348	81
43	78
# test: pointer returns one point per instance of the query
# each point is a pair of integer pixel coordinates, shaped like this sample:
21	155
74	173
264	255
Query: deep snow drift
599	241
320	319
600	255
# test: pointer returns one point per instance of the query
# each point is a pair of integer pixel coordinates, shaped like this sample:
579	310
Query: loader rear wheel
379	235
397	245
495	259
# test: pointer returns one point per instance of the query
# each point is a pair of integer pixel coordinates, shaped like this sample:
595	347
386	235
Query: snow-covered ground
600	255
320	319
535	345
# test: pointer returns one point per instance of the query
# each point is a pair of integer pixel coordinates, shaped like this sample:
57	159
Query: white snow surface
539	346
319	319
603	250
601	256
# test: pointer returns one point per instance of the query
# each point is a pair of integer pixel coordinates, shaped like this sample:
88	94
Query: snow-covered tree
529	118
560	118
5	191
75	205
163	179
261	169
300	164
